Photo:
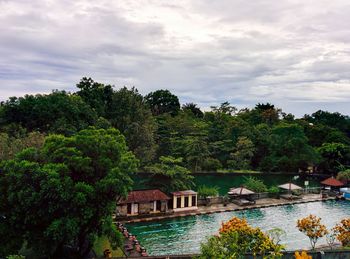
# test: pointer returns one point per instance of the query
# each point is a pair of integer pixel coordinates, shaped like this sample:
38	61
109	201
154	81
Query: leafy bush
313	228
206	191
344	176
273	189
254	184
236	238
342	230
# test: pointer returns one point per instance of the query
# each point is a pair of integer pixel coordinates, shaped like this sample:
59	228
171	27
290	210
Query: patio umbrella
290	186
240	191
331	181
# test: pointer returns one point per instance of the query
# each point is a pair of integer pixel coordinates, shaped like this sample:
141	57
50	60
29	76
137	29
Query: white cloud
295	54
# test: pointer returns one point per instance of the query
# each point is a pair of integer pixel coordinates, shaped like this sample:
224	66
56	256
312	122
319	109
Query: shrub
302	255
273	189
342	231
254	184
236	238
206	191
312	227
344	176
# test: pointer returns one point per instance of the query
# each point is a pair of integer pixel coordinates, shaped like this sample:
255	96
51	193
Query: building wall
122	210
144	208
182	207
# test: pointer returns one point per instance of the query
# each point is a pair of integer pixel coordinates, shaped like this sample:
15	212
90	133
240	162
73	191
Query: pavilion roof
290	186
240	191
331	181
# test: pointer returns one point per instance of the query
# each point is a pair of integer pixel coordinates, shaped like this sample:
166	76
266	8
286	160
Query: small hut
241	196
184	201
290	187
332	182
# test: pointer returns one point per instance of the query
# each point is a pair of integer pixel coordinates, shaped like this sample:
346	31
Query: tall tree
129	113
169	175
59	198
163	101
334	157
192	107
243	154
97	95
289	149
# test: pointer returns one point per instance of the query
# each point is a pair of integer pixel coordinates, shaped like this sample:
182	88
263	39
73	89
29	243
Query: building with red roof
140	202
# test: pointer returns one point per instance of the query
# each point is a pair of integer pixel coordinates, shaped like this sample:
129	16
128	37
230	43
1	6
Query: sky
294	54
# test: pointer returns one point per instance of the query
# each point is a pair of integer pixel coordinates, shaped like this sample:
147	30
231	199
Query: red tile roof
145	196
332	182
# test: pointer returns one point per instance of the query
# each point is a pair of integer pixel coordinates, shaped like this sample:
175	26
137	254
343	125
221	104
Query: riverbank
217	208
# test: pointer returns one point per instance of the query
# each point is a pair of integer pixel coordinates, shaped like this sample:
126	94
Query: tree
129	113
241	157
97	95
334	155
276	234
289	149
163	101
342	231
312	227
10	146
236	238
169	175
58	112
192	108
334	120
57	199
344	176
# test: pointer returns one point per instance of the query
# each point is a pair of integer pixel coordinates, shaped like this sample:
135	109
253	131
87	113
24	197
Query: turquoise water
184	235
225	181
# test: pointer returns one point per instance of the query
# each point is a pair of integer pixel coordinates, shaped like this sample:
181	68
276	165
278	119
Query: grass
102	244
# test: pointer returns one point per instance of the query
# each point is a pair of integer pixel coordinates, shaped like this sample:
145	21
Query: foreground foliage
57	199
236	238
342	231
312	227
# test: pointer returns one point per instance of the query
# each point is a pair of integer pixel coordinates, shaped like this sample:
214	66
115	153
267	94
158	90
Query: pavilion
332	182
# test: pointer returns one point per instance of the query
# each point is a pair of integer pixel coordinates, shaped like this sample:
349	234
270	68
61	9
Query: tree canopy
260	138
58	198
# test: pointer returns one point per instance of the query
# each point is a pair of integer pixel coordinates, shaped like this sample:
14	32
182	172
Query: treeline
156	125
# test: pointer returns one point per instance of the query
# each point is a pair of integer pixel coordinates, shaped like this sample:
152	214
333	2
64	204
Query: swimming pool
184	235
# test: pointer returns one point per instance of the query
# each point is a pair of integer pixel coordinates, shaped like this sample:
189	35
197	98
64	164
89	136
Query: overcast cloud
295	54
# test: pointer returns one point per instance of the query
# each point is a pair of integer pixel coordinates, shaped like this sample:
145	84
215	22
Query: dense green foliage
206	191
58	198
262	138
169	175
255	184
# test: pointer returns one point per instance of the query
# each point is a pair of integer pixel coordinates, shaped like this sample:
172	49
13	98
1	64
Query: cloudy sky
295	54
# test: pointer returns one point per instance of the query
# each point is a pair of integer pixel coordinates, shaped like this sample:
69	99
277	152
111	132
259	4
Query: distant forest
157	125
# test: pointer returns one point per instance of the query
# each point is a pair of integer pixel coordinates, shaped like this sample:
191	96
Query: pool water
184	235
